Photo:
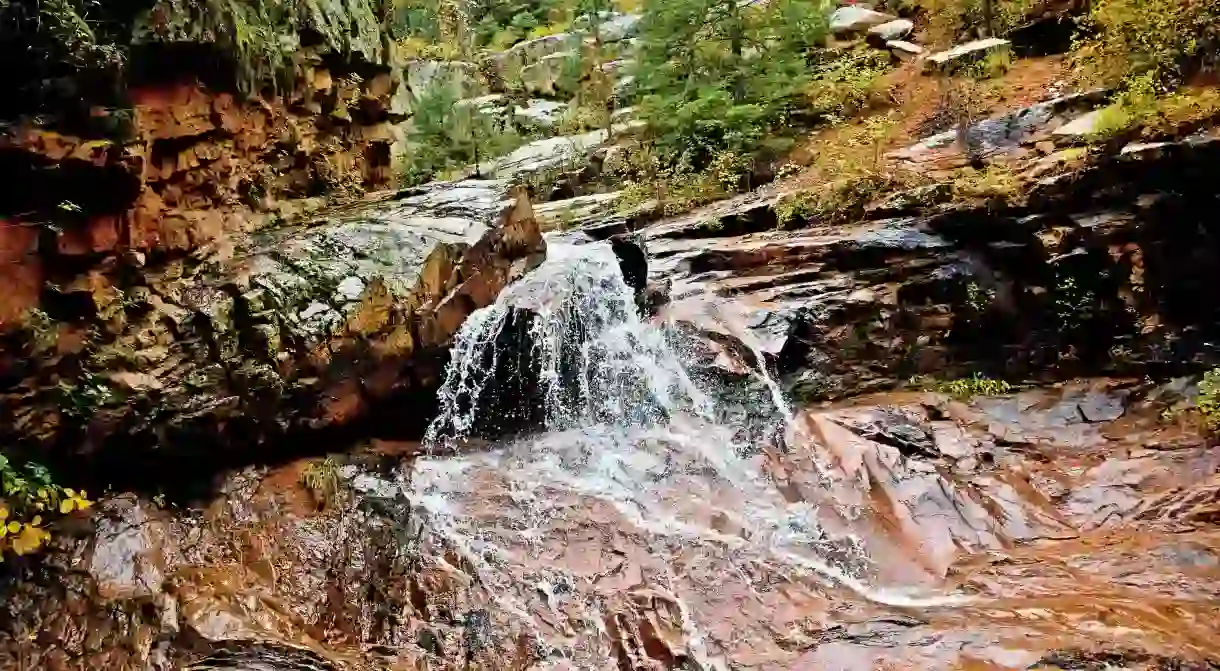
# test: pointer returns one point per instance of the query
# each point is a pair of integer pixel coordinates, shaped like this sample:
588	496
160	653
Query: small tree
596	89
718	75
447	136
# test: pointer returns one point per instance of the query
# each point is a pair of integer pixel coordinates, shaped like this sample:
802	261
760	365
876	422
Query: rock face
302	327
177	151
1012	133
1092	272
420	76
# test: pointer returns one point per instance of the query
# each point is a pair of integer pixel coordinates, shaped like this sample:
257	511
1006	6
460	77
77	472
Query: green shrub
950	21
1164	39
675	192
642	178
719	75
844	84
838	202
1208	402
29	494
1139	106
995	64
966	388
582	118
993	182
321	478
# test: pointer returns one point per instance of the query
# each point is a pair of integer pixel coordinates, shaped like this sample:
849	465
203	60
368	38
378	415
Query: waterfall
625	425
596	360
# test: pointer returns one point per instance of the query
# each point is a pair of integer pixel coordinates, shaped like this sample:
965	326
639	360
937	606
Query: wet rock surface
1079	272
1019	529
300	328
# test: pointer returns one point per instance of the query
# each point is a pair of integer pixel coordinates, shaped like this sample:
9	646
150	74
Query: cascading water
595	360
627	425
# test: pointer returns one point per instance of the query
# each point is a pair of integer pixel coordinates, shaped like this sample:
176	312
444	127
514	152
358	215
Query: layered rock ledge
298	328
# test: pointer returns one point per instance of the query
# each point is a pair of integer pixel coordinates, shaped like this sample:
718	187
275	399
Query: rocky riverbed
1067	527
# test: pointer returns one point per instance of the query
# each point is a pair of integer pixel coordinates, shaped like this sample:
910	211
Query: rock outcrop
174	143
299	328
1096	269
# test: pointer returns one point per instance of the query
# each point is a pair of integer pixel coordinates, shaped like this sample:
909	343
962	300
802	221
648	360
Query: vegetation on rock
965	388
29	494
1208	402
1165	40
322	480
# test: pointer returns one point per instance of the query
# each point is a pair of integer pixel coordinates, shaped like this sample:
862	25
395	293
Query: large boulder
305	327
546	76
420	77
898	29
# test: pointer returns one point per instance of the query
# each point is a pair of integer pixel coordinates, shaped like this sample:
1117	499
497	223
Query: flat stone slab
903	49
1078	128
951	59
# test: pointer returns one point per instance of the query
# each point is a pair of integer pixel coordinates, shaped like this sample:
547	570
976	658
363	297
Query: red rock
22	282
17	241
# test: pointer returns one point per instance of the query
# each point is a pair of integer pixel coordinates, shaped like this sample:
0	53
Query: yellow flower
14	527
65	506
70	493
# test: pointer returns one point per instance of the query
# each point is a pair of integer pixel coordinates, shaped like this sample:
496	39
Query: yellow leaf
82	504
42	493
14	527
36	521
65	506
69	493
84	494
3	513
30	539
39	506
